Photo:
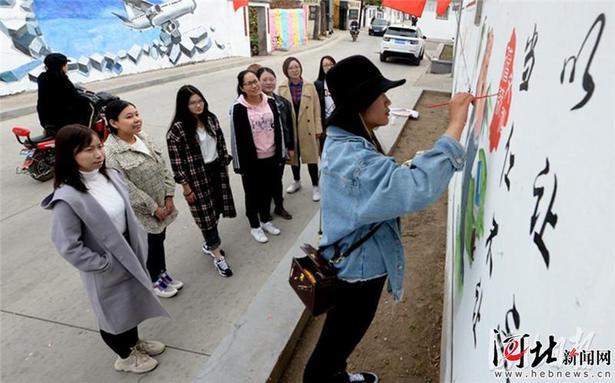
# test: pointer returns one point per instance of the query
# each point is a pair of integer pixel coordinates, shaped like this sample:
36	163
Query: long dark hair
321	72
70	140
113	111
240	77
186	118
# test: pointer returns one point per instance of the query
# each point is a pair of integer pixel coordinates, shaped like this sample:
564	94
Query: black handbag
314	278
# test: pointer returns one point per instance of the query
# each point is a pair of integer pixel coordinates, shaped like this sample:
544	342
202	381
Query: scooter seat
41	138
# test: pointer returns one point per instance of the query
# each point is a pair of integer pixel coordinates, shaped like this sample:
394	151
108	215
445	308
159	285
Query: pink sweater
261	121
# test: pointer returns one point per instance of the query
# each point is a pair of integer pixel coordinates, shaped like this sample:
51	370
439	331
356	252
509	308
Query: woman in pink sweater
258	151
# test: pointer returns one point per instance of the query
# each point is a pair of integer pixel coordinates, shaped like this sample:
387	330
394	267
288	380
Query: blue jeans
212	238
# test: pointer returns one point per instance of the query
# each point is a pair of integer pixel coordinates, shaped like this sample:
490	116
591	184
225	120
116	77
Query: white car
403	41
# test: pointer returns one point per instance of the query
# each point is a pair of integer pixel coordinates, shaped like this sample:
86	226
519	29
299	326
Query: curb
220	64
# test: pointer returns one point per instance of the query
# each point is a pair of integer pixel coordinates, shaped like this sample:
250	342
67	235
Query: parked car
378	27
403	41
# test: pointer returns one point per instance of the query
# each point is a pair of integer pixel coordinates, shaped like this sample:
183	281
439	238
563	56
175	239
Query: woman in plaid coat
198	156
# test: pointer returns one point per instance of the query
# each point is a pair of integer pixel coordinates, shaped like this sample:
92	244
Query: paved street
49	333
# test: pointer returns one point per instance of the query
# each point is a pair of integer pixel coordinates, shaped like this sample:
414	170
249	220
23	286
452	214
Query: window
404	32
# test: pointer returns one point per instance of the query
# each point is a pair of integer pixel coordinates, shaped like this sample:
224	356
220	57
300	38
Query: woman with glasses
304	98
198	156
258	151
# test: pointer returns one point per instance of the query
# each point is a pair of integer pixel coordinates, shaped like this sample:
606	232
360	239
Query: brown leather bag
314	278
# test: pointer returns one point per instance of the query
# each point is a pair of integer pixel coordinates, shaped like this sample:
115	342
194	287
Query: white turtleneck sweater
107	196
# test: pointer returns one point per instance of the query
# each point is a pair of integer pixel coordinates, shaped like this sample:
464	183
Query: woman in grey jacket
150	186
95	229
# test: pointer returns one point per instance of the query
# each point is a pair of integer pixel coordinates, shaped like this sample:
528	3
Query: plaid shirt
295	93
212	188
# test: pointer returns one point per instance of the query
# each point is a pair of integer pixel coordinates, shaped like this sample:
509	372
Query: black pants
312	169
278	192
123	343
344	327
259	184
156	263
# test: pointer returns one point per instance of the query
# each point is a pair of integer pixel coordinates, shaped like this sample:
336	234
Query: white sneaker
170	281
316	194
163	290
296	185
150	347
138	362
269	228
259	235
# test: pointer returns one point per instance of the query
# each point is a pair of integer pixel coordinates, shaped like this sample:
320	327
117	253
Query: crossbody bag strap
338	257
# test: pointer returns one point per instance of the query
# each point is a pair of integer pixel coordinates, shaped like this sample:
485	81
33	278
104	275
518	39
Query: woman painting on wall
364	191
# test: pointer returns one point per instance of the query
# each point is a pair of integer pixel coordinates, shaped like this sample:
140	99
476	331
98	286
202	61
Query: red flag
412	7
442	7
239	3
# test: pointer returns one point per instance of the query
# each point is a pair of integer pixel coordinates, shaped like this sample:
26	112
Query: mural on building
288	28
529	254
104	38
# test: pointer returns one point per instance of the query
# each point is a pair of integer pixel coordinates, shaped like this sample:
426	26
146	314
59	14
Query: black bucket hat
55	61
355	83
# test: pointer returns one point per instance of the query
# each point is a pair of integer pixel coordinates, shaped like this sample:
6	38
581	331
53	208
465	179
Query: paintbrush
448	102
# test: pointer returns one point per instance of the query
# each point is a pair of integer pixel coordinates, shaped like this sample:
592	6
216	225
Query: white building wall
529	251
214	30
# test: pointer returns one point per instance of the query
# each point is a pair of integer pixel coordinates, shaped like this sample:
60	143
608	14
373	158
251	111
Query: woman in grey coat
95	229
150	186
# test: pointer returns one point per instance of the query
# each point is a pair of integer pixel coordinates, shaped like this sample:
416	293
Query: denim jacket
361	187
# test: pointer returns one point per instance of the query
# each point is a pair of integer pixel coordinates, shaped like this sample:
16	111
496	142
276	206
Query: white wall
554	145
224	27
432	26
443	28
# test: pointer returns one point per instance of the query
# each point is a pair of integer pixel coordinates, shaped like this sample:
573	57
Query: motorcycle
40	150
354	31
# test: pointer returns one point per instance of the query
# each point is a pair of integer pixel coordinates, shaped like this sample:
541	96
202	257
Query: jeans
212	238
344	327
123	343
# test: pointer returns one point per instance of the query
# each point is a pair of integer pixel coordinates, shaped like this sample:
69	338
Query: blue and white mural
105	38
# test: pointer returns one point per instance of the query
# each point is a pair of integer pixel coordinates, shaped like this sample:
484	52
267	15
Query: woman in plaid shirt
198	156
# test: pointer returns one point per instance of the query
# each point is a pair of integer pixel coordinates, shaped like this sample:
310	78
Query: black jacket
287	121
320	89
242	142
59	103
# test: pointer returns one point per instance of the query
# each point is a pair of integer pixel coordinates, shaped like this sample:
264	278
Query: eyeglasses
195	103
250	83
